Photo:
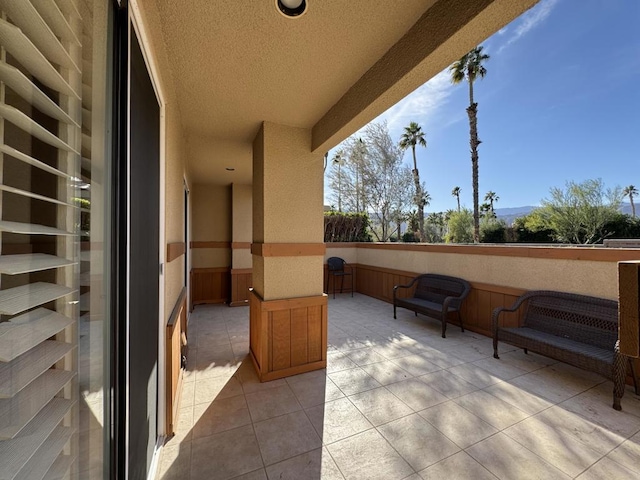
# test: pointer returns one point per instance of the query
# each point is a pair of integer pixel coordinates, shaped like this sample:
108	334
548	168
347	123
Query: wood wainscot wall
210	285
241	283
176	335
476	311
288	336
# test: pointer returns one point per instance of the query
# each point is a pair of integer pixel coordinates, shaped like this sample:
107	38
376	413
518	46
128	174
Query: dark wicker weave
435	295
337	267
575	329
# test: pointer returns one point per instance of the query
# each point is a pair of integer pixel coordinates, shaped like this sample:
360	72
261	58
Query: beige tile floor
395	402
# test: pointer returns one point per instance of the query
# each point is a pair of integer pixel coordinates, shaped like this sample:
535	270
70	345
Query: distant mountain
626	208
511	213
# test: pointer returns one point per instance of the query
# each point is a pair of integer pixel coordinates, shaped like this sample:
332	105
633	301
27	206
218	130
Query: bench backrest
585	319
436	288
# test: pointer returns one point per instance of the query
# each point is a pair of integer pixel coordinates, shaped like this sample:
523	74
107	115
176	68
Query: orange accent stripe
210	244
174	250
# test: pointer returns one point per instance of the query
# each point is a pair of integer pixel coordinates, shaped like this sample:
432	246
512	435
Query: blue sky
561	101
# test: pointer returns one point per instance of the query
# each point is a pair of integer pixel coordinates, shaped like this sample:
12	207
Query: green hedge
346	227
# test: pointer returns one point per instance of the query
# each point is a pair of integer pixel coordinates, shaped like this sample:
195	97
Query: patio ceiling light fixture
291	8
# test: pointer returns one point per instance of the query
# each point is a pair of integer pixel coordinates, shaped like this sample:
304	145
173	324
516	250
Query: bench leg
495	347
394	311
619	376
633	375
460	320
444	325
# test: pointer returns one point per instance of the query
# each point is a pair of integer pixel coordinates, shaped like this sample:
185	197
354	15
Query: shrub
410	237
493	231
622	226
346	227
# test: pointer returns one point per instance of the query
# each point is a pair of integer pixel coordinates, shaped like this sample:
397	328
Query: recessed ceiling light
291	8
230	169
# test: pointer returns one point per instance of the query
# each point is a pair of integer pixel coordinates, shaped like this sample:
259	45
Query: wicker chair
575	329
337	267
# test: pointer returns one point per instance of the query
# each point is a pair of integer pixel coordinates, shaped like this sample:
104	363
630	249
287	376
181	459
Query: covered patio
396	401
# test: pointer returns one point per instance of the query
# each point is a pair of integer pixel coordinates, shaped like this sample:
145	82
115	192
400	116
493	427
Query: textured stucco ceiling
235	64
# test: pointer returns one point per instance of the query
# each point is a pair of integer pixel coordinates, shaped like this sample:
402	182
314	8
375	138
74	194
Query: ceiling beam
445	32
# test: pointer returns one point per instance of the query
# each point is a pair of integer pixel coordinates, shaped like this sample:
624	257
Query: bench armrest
396	287
497	311
452	302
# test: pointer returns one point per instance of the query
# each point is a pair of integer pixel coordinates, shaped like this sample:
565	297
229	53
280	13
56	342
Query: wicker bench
435	296
575	329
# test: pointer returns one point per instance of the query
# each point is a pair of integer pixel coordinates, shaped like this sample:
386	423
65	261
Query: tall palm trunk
472	112
419	196
458	198
633	207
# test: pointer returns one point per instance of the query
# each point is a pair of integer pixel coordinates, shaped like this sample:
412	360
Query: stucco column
288	253
241	227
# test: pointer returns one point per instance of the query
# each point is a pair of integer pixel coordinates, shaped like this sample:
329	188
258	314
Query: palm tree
412	136
456	193
630	191
485	210
470	67
491	197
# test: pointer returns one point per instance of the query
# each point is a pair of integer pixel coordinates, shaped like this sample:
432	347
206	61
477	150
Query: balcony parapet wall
583	270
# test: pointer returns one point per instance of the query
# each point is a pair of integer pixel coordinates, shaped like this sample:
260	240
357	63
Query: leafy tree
579	212
456	193
470	67
337	179
346	180
387	181
412	136
630	192
460	227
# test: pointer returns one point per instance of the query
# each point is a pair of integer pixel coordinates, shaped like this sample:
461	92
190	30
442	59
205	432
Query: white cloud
421	106
529	21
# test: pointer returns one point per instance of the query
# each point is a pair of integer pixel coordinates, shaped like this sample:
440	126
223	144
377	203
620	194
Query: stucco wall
287	173
241	224
578	275
211	222
174	205
292	174
348	254
211	213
